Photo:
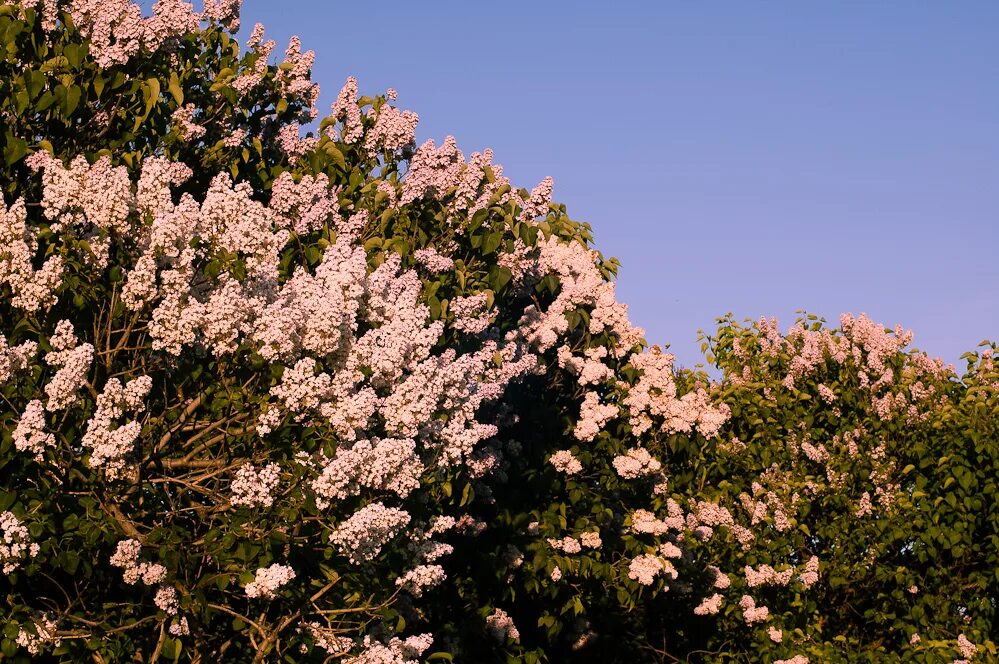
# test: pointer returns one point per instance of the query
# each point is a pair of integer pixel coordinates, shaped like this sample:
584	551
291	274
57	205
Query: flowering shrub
248	376
832	508
268	395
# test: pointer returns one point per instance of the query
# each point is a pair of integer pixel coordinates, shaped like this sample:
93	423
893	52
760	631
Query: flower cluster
250	78
29	434
110	447
15	359
15	544
293	76
30	289
752	613
118	31
565	462
645	568
126	556
255	488
392	131
396	651
501	626
187	128
593	415
382	465
45	635
361	537
636	463
166	600
72	361
268	580
421	578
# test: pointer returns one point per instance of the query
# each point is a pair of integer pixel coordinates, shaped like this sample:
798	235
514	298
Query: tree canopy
280	390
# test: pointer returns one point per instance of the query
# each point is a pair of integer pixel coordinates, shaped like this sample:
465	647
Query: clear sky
752	157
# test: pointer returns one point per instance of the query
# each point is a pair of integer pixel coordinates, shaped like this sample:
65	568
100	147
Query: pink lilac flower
110	445
565	462
501	627
966	647
396	651
636	463
709	606
268	580
752	613
73	361
166	600
362	536
179	627
645	568
45	635
254	488
421	578
15	543
29	434
126	556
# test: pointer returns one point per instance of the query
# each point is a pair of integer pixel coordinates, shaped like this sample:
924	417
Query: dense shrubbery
270	396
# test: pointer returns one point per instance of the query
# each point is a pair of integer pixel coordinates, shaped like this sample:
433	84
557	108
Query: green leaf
151	92
72	99
175	90
336	155
15	150
74	54
492	242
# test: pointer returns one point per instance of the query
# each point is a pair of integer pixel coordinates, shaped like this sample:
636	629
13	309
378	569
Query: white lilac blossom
646	567
179	627
396	651
387	465
166	600
15	543
44	634
655	395
187	128
361	537
501	626
568	545
268	580
709	605
421	578
593	415
15	359
29	434
252	487
126	556
72	361
565	462
810	576
752	613
31	289
766	575
433	261
110	446
636	463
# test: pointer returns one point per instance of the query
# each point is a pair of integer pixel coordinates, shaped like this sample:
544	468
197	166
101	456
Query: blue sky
758	158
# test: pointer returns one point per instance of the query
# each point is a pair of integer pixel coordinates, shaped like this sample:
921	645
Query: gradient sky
758	158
